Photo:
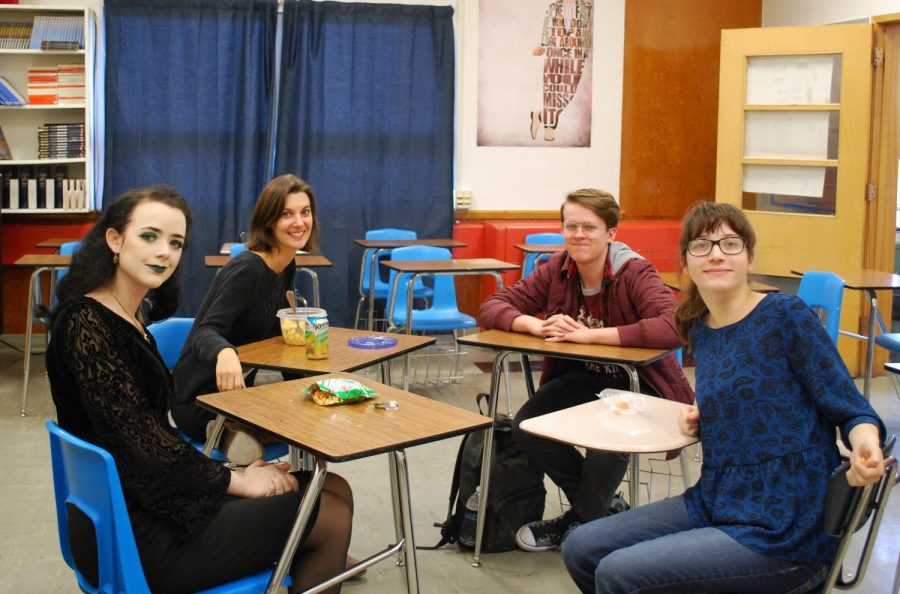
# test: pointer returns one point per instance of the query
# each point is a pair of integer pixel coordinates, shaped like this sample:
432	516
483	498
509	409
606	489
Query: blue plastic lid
372	342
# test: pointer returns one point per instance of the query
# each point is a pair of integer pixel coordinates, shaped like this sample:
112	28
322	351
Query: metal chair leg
685	470
27	371
897	576
508	387
33	286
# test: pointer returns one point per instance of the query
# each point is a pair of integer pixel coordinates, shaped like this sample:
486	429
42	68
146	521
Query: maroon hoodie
637	303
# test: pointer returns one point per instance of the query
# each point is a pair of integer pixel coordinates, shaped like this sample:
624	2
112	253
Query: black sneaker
544	535
618	504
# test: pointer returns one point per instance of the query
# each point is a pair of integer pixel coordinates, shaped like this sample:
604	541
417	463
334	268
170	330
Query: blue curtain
187	95
366	116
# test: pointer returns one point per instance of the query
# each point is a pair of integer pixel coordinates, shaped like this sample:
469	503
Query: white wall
524	178
777	13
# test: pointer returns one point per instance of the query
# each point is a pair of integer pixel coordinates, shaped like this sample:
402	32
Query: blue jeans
654	550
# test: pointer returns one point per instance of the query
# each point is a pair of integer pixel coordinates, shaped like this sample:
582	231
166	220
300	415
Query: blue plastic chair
382	288
170	335
531	260
891	342
442	314
67	249
85	476
823	292
39	312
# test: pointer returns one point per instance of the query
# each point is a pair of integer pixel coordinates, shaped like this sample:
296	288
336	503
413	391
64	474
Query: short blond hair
600	202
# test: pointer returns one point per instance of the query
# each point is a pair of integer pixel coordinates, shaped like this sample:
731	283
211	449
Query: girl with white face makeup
111	388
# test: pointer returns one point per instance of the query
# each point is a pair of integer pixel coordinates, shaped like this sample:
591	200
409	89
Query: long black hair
92	264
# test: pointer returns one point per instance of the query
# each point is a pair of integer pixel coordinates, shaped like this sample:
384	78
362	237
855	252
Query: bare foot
549	134
535	123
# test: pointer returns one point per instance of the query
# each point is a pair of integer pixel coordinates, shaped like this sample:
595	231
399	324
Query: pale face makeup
150	246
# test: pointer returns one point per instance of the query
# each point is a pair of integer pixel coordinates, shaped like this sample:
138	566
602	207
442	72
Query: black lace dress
111	388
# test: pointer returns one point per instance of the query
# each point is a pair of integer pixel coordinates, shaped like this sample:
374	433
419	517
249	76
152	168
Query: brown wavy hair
706	217
268	208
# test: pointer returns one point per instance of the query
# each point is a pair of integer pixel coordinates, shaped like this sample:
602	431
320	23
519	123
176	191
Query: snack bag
338	391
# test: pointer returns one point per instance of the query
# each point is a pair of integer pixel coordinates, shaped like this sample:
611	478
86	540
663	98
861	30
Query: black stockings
324	552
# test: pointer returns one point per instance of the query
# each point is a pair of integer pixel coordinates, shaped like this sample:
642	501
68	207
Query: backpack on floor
516	494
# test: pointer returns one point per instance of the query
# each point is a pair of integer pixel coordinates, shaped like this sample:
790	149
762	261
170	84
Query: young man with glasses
596	291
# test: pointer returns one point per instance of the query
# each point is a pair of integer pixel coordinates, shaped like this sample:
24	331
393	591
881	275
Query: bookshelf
73	158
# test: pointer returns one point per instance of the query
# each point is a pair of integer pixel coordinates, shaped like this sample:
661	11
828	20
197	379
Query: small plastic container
623	402
293	326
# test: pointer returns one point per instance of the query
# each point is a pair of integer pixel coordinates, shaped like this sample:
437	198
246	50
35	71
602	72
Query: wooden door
793	148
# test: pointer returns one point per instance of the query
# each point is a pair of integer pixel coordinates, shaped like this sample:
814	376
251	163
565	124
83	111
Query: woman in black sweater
240	307
196	523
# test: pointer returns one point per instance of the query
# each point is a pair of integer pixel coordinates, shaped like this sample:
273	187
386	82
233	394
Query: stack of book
71	84
58	32
14	34
43	85
61	141
8	93
26	187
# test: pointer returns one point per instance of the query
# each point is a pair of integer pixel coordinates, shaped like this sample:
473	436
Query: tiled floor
30	560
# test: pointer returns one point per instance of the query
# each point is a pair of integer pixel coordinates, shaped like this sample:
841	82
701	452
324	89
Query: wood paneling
15	299
20	235
505	215
670	101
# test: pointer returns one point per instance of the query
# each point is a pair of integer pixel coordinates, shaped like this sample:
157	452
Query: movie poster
534	72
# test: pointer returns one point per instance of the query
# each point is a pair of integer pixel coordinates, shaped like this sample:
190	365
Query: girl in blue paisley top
770	388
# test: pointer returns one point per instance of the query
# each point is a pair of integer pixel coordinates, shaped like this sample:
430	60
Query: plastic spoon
292	301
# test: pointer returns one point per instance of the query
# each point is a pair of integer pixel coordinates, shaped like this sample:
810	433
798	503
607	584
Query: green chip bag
338	391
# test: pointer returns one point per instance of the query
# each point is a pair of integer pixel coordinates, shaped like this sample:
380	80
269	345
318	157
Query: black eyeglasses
730	246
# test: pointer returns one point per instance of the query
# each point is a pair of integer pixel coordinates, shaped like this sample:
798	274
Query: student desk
305	263
867	281
594	426
537	248
342	433
275	354
41	263
507	343
54	242
453	267
379	246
